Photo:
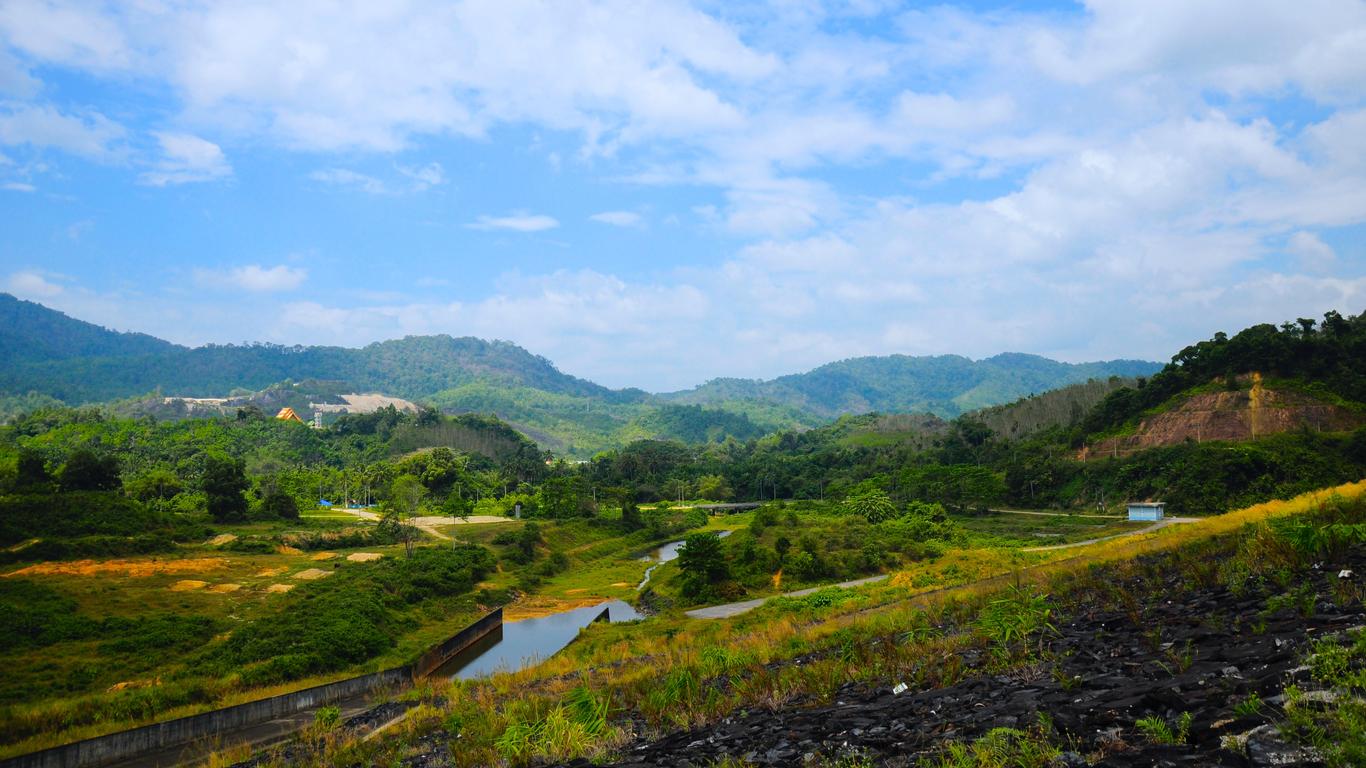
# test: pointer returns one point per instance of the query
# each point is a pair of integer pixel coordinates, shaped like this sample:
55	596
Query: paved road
1155	526
735	609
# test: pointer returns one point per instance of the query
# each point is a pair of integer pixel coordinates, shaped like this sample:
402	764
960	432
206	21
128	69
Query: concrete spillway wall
131	743
463	639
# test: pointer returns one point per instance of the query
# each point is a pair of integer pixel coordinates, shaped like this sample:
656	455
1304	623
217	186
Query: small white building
1147	510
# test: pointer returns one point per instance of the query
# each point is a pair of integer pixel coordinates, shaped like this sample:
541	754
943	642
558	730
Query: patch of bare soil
136	568
363	557
311	574
279	588
127	684
188	585
268	572
225	588
1229	415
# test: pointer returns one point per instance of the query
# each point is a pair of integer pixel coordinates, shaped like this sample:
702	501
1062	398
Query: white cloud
90	135
18	186
75	34
618	218
186	159
956	181
516	222
343	177
254	278
1313	254
415	179
425	177
31	284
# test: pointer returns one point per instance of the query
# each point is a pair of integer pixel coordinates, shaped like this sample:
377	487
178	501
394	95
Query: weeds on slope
690	675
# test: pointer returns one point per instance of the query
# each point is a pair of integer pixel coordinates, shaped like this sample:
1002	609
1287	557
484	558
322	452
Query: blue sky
656	193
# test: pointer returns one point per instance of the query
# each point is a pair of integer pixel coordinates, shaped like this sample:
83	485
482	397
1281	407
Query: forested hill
945	385
30	332
78	362
51	355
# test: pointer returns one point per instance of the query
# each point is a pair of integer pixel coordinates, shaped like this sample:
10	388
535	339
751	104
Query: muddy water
521	644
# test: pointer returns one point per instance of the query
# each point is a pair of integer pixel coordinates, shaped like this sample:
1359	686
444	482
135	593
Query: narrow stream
663	555
517	645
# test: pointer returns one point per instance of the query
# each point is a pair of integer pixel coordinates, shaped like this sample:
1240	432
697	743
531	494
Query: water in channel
521	644
517	645
663	555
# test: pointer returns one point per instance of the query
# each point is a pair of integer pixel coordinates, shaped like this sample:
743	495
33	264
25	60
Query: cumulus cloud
185	159
1313	254
254	278
31	284
960	181
89	134
516	222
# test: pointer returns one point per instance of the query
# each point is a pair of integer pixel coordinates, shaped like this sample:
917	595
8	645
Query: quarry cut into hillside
1242	414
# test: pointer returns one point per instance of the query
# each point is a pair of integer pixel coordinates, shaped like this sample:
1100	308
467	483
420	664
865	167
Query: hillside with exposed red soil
1242	414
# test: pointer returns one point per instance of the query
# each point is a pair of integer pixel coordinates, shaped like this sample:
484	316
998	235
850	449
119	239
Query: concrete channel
258	723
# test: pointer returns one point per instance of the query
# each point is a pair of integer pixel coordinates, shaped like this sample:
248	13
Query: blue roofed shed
1147	510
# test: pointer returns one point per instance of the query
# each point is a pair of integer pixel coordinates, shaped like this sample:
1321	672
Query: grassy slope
48	684
655	669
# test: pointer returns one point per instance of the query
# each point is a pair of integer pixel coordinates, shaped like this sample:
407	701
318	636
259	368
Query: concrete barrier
124	745
463	639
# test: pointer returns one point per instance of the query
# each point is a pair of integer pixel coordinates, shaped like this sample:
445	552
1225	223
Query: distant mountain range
53	355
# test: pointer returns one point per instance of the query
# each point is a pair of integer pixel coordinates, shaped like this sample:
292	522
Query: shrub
351	617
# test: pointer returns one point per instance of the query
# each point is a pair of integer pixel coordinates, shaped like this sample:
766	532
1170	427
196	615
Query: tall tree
702	563
86	470
224	485
405	497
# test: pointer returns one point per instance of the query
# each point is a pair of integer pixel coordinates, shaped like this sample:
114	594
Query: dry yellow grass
311	574
269	572
136	568
225	588
277	588
363	557
188	585
323	556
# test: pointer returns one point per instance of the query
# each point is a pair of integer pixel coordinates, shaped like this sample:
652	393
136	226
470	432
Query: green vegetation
1335	725
58	358
348	619
1159	731
246	514
668	675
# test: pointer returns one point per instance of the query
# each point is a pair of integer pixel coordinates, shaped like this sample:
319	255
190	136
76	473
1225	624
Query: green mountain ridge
945	385
78	362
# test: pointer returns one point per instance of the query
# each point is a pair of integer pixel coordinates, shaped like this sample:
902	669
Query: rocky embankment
1200	651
